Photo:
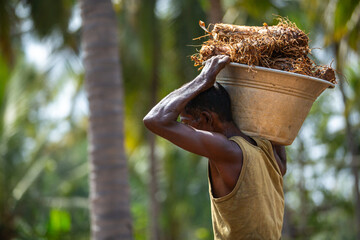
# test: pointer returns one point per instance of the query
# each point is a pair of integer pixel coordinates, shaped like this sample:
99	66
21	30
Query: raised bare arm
162	119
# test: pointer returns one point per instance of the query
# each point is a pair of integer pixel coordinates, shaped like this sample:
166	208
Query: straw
284	47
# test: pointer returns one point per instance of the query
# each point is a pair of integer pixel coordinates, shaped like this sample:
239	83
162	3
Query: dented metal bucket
270	103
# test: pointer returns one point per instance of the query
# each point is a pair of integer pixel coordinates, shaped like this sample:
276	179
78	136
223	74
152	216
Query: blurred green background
43	118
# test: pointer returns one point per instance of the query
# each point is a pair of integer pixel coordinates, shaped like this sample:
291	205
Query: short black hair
215	99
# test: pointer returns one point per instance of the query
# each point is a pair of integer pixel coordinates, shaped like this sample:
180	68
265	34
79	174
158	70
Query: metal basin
270	103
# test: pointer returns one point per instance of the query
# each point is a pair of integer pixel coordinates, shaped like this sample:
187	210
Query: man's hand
166	112
212	67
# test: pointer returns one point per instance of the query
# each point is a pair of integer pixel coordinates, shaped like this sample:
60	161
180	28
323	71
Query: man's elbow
153	123
157	124
149	122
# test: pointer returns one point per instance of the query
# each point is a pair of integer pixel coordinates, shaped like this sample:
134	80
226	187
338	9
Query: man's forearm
169	108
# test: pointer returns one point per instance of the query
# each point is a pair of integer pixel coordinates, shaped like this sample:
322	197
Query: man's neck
229	129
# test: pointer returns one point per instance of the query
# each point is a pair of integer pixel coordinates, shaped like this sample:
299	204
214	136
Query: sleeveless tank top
255	207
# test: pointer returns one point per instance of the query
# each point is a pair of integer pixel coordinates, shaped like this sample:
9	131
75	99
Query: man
245	173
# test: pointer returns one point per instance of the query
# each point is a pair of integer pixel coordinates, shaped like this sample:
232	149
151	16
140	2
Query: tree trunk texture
215	14
109	187
350	139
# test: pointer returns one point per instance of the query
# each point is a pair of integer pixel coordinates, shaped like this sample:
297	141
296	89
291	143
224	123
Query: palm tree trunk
109	188
350	139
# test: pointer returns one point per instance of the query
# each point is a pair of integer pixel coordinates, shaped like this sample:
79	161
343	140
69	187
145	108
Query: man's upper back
255	207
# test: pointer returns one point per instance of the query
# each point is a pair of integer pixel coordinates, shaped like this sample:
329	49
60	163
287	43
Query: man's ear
207	117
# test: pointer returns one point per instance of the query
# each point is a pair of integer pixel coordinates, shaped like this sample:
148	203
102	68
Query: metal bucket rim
271	70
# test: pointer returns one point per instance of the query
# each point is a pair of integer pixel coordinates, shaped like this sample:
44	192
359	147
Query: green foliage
342	16
253	9
186	202
49	15
59	223
31	164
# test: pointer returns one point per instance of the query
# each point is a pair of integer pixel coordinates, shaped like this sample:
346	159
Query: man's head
208	108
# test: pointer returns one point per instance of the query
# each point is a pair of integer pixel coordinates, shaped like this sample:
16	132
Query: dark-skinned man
245	173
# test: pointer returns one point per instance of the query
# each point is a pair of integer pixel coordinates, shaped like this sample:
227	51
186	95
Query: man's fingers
214	65
224	60
218	59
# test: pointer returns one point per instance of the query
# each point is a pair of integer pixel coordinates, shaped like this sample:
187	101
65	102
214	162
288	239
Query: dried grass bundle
284	47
